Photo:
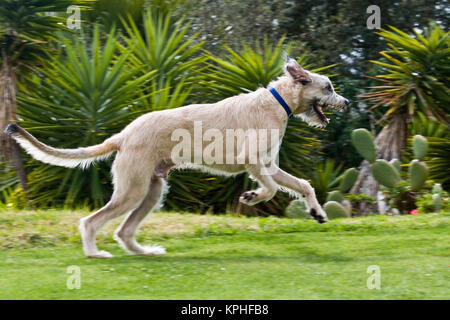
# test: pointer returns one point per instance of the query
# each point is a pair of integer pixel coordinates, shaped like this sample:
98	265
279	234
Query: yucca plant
416	79
438	160
163	46
82	97
246	70
418	76
25	34
325	178
438	155
250	68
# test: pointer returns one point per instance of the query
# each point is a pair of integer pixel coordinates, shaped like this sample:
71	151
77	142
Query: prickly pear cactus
335	210
335	196
362	139
417	173
349	178
385	173
420	146
297	210
397	164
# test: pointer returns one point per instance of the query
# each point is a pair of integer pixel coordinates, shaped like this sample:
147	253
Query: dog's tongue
323	116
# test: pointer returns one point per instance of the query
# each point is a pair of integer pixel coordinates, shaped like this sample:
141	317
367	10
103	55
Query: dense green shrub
427	202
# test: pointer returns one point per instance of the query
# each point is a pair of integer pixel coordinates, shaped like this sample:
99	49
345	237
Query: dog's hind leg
125	233
130	187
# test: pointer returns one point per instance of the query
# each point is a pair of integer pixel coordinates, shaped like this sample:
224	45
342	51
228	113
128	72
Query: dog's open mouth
320	109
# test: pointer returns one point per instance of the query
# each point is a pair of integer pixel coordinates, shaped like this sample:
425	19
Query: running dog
145	151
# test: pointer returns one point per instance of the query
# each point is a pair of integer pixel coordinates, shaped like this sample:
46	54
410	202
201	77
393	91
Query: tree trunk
389	143
8	108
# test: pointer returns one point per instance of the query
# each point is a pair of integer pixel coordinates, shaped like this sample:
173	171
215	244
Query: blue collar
281	101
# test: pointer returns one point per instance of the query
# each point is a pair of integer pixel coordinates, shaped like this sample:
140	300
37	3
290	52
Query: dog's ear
296	71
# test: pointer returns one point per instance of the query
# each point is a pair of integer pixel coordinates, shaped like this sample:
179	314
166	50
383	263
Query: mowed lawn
227	257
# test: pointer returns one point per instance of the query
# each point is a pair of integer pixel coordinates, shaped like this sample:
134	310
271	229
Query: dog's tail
70	158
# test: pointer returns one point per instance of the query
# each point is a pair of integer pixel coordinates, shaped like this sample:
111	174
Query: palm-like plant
164	47
418	76
25	32
428	127
438	155
438	160
254	67
326	178
417	79
250	68
83	96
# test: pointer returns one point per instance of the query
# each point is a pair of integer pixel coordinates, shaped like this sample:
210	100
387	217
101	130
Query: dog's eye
328	87
304	82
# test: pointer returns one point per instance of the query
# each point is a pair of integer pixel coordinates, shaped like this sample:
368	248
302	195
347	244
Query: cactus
388	174
349	178
297	210
335	210
362	139
417	173
437	202
420	146
335	196
385	173
397	165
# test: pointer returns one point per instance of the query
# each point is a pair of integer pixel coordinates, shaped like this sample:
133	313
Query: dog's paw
100	254
319	215
253	197
250	198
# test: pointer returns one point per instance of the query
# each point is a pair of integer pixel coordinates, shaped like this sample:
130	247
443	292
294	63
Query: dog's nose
347	102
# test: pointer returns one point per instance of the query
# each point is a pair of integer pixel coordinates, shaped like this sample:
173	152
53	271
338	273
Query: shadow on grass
306	257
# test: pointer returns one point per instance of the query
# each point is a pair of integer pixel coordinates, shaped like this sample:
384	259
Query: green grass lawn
225	257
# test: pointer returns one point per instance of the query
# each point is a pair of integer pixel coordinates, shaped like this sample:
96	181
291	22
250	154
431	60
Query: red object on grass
414	211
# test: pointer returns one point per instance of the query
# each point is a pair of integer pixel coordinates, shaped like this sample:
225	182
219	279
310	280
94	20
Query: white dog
145	150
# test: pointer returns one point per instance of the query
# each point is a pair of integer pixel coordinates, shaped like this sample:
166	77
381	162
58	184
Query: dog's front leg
303	189
265	192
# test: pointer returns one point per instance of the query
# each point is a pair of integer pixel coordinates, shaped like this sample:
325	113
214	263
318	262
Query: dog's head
315	93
